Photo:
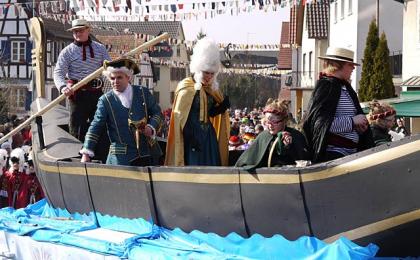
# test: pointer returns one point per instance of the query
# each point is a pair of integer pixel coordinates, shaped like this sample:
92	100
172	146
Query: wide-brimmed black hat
122	62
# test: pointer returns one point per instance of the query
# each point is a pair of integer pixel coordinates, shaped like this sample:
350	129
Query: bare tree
4	88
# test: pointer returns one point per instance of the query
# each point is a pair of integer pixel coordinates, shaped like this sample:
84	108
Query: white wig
20	154
206	57
125	70
3	159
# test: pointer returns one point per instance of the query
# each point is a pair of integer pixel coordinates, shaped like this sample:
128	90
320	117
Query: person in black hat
335	125
131	116
75	62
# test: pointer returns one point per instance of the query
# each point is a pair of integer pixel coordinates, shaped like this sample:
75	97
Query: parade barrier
369	197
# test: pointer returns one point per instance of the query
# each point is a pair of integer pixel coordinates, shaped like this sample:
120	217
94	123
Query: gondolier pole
80	84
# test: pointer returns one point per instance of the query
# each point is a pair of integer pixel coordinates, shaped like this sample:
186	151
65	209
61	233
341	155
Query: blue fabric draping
44	223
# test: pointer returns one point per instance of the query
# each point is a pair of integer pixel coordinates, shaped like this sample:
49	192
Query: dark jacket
321	112
380	135
256	156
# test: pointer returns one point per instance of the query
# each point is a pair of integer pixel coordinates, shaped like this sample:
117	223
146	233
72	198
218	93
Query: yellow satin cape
184	96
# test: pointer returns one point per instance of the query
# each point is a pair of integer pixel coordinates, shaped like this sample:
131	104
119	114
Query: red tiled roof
285	34
317	14
296	24
285	52
285	59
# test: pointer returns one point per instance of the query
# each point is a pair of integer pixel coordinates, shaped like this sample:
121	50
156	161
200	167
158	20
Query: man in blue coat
131	116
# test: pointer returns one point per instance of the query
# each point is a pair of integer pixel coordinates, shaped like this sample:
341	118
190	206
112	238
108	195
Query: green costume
380	135
258	153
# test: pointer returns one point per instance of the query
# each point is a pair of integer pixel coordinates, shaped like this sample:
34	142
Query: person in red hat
278	145
234	143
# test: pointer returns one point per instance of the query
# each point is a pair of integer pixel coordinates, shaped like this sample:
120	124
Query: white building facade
349	26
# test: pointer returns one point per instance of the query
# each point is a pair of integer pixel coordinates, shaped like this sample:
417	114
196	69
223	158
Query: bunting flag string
111	31
156	10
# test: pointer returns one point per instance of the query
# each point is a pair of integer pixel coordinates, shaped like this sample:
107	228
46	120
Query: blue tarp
44	223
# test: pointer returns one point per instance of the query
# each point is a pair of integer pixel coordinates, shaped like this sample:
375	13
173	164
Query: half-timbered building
15	55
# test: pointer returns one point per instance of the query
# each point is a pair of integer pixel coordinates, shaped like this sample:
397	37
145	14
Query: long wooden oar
81	83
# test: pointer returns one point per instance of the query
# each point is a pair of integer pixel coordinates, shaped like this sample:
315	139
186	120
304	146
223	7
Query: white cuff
154	131
90	153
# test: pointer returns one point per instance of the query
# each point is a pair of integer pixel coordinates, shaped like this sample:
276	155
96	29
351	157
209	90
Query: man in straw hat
75	62
130	115
335	125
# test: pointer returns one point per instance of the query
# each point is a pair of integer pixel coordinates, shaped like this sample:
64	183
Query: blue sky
257	27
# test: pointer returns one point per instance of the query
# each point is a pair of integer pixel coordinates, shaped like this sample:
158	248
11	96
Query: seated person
401	129
381	119
278	145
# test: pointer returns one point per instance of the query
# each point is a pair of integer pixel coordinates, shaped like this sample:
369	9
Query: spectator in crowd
131	117
8	147
199	112
401	129
258	129
234	143
75	62
17	178
4	201
335	125
382	119
277	146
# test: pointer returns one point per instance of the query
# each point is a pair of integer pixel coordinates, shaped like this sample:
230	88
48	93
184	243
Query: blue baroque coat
111	113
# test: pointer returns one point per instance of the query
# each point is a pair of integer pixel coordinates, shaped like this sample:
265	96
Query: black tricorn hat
122	62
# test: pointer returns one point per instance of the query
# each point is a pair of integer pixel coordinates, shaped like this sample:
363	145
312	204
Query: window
156	96
18	51
172	96
342	9
178	51
177	74
335	12
304	64
17	97
310	64
350	7
156	73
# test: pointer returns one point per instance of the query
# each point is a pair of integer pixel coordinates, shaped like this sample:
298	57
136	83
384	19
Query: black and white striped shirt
343	124
71	66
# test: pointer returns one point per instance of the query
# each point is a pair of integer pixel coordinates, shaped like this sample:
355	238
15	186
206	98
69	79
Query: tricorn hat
121	63
339	54
78	24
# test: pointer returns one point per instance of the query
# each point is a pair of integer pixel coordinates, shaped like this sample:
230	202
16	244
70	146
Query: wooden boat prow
369	197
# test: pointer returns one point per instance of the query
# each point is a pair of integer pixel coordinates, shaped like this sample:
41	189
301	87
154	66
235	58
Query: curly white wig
206	57
125	70
20	154
3	159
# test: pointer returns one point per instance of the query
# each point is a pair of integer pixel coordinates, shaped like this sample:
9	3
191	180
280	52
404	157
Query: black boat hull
369	197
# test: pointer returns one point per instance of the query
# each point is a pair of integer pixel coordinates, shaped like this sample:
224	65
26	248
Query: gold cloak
184	96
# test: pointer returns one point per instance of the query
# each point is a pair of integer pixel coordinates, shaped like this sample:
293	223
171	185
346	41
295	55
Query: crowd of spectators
19	185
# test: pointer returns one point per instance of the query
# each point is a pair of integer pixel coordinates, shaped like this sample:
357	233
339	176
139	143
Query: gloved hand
226	102
285	138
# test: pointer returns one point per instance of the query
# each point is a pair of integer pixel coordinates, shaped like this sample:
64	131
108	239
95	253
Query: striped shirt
71	66
343	124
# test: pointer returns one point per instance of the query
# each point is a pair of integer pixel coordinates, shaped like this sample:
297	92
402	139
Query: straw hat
340	54
78	24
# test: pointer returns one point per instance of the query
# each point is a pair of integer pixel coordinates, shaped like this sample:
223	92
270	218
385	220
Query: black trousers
82	109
